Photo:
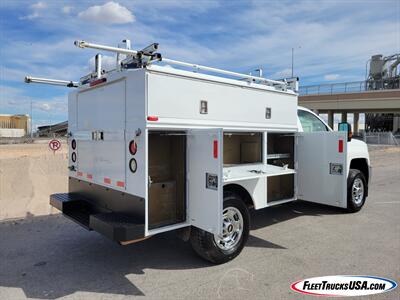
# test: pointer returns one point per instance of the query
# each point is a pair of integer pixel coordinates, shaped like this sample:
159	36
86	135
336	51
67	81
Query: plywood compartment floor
167	158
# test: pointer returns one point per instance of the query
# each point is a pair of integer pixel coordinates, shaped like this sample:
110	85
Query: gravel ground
51	257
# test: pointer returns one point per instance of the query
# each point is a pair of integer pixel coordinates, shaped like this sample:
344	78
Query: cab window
310	122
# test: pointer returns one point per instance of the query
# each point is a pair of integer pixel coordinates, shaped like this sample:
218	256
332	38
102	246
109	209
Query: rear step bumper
116	226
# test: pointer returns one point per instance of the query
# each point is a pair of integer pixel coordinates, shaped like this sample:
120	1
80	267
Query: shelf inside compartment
280	149
252	171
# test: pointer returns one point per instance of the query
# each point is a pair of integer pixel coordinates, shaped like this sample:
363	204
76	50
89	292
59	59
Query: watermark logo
343	285
236	281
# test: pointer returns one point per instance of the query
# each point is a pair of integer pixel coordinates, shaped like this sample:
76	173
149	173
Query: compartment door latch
97	135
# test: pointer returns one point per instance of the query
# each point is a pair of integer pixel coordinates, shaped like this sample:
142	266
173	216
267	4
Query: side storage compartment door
205	190
322	169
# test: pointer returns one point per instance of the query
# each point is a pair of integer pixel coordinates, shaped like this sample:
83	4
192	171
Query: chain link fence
381	138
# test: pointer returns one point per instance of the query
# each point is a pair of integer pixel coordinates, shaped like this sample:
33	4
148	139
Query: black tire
204	244
352	204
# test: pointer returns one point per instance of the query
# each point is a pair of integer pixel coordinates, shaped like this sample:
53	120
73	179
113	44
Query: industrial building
378	96
59	129
12	126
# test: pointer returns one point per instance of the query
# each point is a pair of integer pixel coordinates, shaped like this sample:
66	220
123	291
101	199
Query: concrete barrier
12	132
29	173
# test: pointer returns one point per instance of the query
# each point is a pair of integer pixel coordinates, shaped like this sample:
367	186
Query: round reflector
73	156
133	165
73	144
132	147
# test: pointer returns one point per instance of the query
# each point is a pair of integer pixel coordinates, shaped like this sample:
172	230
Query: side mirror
347	128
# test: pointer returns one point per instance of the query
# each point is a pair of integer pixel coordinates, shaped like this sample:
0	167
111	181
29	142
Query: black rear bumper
117	226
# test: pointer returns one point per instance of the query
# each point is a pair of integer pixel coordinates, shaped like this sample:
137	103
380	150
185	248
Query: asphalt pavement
51	257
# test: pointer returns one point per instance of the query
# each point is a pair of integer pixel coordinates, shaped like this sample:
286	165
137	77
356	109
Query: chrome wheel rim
357	191
232	229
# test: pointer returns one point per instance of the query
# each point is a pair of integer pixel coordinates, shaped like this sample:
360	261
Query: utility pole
298	47
31	119
292	60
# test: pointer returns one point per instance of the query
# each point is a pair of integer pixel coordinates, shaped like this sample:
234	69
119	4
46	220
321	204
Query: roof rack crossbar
67	83
83	44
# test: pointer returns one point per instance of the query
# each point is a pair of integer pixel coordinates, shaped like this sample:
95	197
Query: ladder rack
156	57
148	56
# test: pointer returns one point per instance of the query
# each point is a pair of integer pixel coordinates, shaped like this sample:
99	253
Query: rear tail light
98	81
73	154
152	118
133	147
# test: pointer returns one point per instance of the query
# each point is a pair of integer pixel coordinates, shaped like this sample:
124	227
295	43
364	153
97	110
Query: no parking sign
54	145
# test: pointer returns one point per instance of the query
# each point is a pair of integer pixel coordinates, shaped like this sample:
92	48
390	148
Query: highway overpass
347	98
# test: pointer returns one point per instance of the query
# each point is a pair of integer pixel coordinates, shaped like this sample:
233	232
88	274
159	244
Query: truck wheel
219	249
356	190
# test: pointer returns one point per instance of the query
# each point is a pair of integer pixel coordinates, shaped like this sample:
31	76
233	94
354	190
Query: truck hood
357	149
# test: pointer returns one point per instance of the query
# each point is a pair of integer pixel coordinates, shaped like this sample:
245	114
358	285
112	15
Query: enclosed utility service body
183	157
154	149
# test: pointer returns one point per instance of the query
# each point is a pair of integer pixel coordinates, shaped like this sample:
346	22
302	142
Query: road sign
54	145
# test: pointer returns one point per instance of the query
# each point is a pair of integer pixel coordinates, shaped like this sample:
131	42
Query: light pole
298	47
31	119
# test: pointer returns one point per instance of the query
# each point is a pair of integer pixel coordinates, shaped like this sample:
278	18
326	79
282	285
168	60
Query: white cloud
242	40
44	106
336	45
39	5
14	98
109	13
72	72
44	111
107	63
13	101
331	77
37	8
67	9
285	73
31	16
56	105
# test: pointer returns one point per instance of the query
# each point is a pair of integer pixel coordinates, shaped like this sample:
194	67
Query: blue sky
332	40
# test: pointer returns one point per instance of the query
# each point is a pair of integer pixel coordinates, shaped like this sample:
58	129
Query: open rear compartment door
322	169
205	190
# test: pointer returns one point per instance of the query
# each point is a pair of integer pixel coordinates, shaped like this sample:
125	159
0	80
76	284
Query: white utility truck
154	148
